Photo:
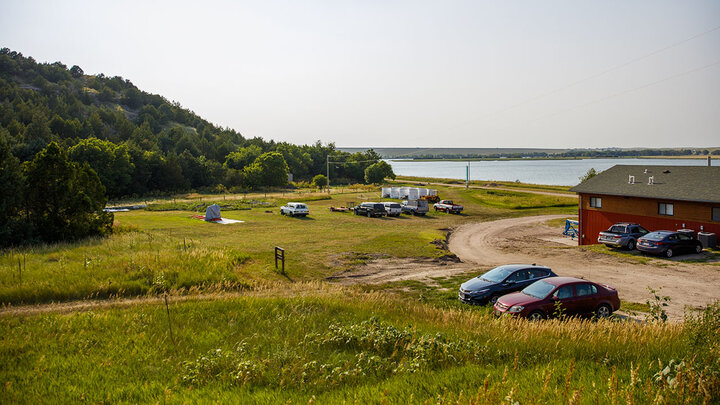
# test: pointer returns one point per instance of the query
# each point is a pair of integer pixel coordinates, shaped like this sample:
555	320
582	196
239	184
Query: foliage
378	172
588	175
656	305
64	200
269	169
111	162
320	181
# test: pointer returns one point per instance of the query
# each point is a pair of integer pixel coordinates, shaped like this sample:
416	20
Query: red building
656	197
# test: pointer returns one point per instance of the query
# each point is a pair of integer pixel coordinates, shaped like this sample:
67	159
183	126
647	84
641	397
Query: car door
685	242
587	298
565	298
515	281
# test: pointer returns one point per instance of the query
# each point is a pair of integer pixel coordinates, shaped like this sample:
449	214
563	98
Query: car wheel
631	245
536	316
669	252
603	311
698	248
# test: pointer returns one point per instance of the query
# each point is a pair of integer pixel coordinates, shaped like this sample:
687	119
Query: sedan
500	281
668	243
568	295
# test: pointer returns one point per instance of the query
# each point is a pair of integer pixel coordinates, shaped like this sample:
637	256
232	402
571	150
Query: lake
553	172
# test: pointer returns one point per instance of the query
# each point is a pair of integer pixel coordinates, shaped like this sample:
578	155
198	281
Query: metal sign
280	255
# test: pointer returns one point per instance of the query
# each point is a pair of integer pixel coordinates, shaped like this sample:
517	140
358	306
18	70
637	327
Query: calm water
554	172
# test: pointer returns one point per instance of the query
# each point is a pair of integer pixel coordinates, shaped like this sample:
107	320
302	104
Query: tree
64	200
12	188
243	157
589	175
377	172
269	169
111	162
320	181
76	71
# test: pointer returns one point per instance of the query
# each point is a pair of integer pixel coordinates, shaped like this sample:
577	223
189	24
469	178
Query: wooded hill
140	143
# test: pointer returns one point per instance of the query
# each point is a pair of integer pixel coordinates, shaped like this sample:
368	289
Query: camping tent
213	213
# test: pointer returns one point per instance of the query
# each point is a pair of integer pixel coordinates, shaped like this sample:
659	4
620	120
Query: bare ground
527	240
484	245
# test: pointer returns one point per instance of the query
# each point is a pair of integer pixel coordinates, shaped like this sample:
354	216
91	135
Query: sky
372	73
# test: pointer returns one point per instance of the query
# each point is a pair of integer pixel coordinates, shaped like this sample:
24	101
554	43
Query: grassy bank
333	345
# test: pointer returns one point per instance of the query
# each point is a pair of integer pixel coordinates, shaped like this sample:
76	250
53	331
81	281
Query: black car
371	209
668	243
500	281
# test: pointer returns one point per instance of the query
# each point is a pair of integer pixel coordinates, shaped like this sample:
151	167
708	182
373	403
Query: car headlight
516	308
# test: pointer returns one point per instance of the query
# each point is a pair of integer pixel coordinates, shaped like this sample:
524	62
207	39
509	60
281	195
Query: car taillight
658	243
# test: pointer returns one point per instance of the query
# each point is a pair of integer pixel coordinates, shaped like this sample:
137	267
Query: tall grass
339	345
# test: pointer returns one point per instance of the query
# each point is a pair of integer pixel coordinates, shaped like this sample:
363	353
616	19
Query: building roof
685	183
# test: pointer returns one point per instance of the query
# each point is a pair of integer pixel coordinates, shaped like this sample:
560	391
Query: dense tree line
139	143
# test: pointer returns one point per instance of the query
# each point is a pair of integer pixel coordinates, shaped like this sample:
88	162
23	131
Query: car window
682	236
617	229
672	237
585	289
520	275
537	273
640	229
565	291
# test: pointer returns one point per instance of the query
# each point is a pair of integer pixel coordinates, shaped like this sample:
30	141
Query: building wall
644	211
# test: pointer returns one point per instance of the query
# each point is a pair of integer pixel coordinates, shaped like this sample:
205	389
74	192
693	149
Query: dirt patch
381	271
527	240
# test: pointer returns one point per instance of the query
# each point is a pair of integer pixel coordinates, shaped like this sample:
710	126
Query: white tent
212	213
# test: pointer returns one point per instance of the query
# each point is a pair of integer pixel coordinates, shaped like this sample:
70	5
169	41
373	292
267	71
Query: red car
540	299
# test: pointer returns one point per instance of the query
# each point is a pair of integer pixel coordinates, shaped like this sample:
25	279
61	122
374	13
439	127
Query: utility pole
467	176
327	168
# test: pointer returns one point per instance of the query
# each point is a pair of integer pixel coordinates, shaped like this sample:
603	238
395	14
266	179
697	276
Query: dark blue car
500	281
668	243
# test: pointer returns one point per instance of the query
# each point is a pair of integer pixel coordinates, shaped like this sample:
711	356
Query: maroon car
540	299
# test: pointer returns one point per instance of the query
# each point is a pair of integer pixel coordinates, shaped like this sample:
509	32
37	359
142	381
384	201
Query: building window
596	202
665	209
716	214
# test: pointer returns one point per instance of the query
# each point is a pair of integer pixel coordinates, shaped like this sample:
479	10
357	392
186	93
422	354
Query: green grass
516	200
165	249
343	346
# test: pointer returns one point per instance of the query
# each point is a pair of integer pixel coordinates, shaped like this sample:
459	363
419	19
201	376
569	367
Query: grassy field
237	330
164	248
326	344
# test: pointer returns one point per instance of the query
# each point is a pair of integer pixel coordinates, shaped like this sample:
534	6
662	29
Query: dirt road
528	240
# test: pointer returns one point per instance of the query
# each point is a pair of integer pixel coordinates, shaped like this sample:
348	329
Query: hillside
139	143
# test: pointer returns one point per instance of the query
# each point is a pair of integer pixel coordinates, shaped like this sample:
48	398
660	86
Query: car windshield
394	205
655	236
496	275
539	289
617	229
379	207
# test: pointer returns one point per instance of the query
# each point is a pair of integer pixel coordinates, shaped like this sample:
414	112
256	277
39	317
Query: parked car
574	296
500	281
448	206
393	209
622	235
294	209
371	209
668	243
415	207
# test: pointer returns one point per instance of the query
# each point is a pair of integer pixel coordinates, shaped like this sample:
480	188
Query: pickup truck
371	209
448	206
622	235
415	207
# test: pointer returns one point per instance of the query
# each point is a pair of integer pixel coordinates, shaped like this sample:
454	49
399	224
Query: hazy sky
405	73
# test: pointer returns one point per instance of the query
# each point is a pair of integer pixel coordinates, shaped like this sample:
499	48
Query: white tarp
213	213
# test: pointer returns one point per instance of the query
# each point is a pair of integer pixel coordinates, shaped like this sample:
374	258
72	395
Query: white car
393	209
294	209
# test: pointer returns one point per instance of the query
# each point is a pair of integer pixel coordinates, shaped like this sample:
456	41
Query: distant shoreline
703	157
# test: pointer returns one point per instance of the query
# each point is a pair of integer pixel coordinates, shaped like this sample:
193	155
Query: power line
591	77
675	76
